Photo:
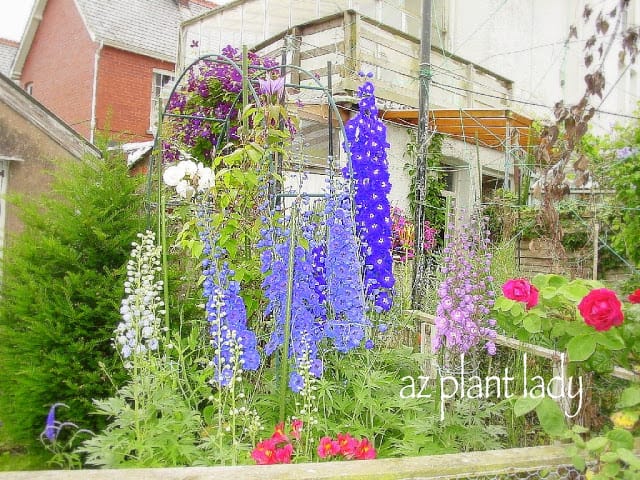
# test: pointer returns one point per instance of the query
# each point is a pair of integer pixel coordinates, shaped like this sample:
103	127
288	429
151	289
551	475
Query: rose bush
601	309
579	317
635	296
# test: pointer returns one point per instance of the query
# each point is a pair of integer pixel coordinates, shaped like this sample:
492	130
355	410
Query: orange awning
492	128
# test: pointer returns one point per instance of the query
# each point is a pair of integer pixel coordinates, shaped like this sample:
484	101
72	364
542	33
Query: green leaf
524	405
557	281
551	417
558	329
597	443
611	469
620	438
503	304
540	281
579	463
517	309
628	457
610	339
609	457
532	323
548	292
574	291
629	398
581	347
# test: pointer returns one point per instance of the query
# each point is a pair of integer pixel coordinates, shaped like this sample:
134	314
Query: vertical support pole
596	244
245	85
284	359
330	152
421	160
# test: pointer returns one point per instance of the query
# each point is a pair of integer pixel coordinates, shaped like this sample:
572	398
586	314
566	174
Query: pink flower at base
265	452
296	427
283	455
347	445
328	447
635	296
278	434
365	451
520	290
601	309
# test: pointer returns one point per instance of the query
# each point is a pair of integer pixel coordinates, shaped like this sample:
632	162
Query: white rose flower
185	190
173	174
190	167
206	179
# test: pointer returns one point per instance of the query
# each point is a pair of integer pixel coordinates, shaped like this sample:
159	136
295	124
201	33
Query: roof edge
60	132
138	51
35	17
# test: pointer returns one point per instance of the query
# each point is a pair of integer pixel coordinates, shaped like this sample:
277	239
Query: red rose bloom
601	309
635	296
521	290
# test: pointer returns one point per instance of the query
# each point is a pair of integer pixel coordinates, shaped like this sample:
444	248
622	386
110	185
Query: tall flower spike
308	311
51	429
368	171
139	330
345	290
465	292
234	344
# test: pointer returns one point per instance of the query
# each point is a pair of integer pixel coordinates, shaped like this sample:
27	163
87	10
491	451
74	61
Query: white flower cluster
189	178
139	329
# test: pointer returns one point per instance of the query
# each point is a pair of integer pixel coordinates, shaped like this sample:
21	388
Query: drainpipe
94	89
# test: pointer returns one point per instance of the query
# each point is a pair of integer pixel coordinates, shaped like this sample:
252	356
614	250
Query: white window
29	88
162	84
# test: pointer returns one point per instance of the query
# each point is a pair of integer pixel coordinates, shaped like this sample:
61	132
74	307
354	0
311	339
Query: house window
28	87
160	90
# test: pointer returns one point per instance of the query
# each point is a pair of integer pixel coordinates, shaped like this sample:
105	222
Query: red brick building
101	65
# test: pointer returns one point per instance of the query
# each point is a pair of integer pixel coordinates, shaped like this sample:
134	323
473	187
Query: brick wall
60	65
124	92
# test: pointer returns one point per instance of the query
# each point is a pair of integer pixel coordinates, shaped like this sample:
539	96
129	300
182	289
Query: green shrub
62	285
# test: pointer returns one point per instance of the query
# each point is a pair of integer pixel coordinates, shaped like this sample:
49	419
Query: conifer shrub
61	288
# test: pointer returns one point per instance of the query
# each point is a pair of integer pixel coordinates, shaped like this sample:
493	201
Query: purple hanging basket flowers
368	171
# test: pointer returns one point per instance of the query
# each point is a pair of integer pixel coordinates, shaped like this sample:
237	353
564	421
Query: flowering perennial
520	290
210	92
346	327
465	293
366	137
234	344
52	427
346	446
403	236
601	309
307	310
278	448
139	330
188	178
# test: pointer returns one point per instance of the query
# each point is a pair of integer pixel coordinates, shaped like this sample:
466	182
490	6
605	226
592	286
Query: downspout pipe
94	91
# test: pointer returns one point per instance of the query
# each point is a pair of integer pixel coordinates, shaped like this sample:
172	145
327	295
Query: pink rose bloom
520	290
601	309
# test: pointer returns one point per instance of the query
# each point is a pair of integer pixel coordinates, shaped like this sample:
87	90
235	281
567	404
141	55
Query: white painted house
495	65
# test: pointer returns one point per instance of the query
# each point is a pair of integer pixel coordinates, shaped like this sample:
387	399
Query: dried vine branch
558	141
